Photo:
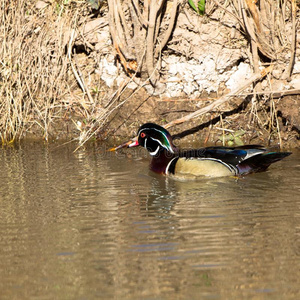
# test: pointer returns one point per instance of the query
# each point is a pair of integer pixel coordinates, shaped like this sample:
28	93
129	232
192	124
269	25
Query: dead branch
150	42
288	71
77	76
141	18
255	77
135	26
237	17
275	94
170	27
254	12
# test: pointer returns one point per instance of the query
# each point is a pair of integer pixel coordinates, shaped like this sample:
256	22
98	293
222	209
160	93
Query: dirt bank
63	75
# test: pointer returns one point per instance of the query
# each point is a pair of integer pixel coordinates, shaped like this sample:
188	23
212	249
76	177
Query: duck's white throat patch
154	152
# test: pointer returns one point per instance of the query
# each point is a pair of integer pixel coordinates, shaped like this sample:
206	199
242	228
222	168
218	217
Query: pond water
98	225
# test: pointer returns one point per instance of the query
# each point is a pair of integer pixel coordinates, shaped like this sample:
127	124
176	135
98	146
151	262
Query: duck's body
211	161
215	161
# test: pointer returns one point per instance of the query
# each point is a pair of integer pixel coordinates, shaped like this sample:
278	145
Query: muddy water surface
98	225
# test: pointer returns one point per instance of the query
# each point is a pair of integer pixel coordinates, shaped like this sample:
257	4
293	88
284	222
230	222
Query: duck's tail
260	162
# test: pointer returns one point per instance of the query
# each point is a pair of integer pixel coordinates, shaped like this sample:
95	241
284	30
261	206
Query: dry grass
33	64
41	79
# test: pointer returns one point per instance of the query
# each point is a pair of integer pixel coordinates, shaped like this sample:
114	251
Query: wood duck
210	161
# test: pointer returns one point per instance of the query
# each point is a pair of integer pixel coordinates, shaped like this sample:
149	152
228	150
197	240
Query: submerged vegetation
50	53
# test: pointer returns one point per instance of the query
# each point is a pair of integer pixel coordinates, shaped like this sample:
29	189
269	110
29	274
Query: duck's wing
228	155
260	162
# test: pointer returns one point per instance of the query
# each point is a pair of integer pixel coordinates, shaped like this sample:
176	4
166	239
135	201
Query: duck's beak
129	144
134	143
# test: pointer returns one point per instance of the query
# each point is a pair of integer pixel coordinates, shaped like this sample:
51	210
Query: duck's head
154	138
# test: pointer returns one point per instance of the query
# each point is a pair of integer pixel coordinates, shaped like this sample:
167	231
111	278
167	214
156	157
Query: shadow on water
94	224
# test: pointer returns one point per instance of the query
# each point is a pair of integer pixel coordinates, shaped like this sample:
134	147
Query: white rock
209	66
188	76
242	73
172	59
174	79
196	94
174	68
190	88
108	70
173	89
41	5
296	68
295	83
226	59
173	63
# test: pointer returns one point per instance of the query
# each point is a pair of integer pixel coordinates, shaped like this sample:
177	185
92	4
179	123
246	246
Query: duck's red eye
143	135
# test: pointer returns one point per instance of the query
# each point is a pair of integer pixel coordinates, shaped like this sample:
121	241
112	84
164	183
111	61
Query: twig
146	11
275	94
86	90
111	19
255	60
138	32
124	23
74	69
170	27
116	32
109	109
230	13
139	14
254	12
150	41
288	71
255	35
117	21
